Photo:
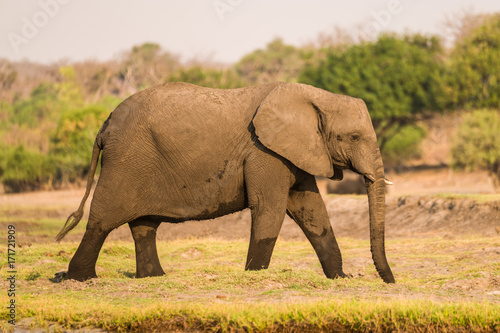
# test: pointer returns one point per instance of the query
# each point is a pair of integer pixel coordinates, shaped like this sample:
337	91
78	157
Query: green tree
41	104
146	65
208	77
476	144
474	80
24	169
48	100
404	145
399	78
73	139
277	62
69	91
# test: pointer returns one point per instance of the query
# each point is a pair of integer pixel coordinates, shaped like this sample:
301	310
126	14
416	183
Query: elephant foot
259	253
257	265
340	275
255	268
81	277
149	272
78	273
78	276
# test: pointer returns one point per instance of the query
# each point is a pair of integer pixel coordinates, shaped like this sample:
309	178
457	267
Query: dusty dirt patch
417	215
407	216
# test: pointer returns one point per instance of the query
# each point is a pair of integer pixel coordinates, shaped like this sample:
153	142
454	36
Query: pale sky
219	30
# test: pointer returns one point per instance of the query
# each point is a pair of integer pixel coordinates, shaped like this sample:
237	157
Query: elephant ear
288	123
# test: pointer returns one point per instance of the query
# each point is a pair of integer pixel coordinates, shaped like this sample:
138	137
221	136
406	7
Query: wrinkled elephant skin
178	152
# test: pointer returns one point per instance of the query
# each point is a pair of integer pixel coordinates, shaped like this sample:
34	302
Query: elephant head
323	133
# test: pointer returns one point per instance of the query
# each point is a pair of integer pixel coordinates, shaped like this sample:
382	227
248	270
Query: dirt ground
420	204
413	210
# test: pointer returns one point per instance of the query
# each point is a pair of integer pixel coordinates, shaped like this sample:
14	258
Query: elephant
177	152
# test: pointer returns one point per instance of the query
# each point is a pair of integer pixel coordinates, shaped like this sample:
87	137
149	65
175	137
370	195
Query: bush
475	67
277	62
41	104
403	145
72	142
208	77
476	144
25	169
47	100
68	159
397	76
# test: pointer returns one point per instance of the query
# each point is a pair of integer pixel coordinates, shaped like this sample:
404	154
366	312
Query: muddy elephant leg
146	255
82	265
267	196
307	209
266	225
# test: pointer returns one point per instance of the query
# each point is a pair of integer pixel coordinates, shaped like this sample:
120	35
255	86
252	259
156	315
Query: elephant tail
76	216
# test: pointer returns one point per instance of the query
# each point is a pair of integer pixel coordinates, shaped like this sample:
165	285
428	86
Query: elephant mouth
338	174
370	180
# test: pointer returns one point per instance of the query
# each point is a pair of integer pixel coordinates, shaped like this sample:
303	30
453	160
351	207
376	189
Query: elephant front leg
146	254
307	209
267	192
266	226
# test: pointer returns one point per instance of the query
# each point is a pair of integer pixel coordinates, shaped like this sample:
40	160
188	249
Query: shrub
25	169
208	77
69	156
403	145
476	144
47	100
277	62
72	142
41	104
4	154
397	76
475	67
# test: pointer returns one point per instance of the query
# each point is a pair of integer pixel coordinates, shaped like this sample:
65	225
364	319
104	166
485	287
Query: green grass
205	287
442	284
335	314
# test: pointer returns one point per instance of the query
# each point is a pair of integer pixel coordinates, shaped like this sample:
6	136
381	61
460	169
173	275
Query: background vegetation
477	143
49	114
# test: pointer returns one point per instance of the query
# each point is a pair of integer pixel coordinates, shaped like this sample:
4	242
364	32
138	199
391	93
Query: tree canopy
396	77
475	67
49	113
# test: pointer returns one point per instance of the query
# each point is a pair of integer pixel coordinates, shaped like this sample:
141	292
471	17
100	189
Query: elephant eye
355	137
339	137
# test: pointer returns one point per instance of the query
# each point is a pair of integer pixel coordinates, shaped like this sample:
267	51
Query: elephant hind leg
82	265
144	234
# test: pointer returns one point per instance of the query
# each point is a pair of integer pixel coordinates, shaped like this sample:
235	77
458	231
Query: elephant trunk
376	201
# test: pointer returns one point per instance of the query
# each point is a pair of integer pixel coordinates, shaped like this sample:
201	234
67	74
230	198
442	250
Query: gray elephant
178	152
